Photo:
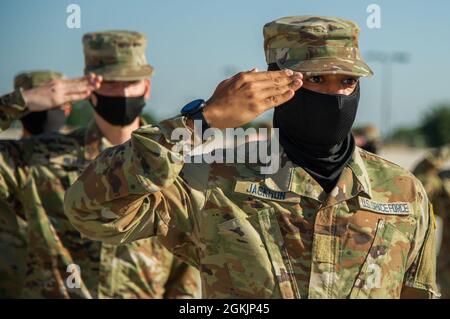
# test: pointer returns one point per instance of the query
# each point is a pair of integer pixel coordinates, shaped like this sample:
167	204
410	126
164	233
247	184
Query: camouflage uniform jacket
437	185
263	236
34	175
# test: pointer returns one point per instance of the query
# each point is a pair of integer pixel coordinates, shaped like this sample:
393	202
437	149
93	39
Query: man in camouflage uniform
13	227
368	137
35	172
52	120
436	181
269	235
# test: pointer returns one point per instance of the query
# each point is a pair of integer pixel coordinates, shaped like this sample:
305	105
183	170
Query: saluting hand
243	97
60	91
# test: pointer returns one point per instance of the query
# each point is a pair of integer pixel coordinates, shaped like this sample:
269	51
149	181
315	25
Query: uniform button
309	188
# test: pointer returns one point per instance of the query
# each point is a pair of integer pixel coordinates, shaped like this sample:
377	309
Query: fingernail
289	72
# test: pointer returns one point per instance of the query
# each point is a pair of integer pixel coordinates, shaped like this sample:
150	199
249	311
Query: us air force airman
333	222
436	180
36	172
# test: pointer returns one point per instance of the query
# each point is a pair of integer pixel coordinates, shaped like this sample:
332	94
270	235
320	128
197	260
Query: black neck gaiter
314	130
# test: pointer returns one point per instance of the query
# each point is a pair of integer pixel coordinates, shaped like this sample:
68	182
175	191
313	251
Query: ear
148	88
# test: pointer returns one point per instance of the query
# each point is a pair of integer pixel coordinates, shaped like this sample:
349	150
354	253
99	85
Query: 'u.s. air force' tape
397	208
262	191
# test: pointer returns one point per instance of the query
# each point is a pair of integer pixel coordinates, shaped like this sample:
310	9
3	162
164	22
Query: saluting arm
118	197
122	195
55	93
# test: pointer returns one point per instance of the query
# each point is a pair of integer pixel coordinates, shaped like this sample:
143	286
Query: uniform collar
95	142
353	181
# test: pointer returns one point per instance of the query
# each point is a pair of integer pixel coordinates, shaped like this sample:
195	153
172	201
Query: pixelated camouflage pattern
437	185
442	207
432	163
13	252
299	243
29	80
116	55
315	45
34	175
13	243
12	107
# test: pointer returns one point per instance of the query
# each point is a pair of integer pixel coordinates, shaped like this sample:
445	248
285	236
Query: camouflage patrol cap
315	45
29	80
369	131
439	156
116	55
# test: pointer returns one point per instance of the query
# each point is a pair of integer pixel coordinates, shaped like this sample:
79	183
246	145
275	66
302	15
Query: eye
315	79
350	81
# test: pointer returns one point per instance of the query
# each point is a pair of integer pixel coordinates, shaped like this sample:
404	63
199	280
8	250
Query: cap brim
123	73
323	66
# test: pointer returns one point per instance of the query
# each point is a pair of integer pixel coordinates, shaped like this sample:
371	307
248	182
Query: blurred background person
38	170
52	120
368	137
436	180
13	245
34	92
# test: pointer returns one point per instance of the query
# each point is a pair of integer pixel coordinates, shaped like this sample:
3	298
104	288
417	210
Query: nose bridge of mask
344	99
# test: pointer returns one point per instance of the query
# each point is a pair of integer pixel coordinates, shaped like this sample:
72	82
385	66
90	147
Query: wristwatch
194	111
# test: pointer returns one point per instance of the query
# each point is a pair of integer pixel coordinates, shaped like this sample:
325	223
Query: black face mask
44	122
119	110
314	130
321	120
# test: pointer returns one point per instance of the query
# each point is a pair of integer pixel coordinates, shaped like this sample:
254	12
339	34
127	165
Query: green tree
149	118
411	136
435	126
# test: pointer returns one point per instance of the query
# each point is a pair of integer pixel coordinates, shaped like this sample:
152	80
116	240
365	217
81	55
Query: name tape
262	191
397	208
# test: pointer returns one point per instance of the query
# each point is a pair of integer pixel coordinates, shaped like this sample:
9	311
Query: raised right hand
60	91
243	97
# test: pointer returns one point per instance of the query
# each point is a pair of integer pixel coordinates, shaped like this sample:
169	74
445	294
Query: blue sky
195	44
